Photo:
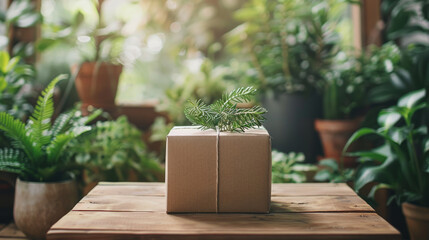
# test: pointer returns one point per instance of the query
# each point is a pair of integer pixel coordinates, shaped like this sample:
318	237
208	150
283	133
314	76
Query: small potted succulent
401	162
45	189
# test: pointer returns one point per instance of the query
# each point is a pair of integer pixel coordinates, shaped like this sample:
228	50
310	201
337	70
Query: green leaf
28	19
426	146
323	175
386	173
63	123
15	129
45	43
412	98
425	11
358	134
11	64
330	163
377	187
16	9
3	84
40	121
373	156
10	161
388	117
55	148
4	61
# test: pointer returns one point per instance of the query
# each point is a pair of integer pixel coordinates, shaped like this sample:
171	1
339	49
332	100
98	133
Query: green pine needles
224	113
37	148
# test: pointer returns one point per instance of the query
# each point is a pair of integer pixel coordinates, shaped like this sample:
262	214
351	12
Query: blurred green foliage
289	168
19	14
15	77
288	43
329	171
115	151
353	83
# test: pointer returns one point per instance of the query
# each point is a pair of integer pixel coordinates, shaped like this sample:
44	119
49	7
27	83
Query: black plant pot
290	122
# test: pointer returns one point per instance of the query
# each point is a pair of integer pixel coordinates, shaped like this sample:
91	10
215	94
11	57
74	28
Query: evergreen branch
200	114
239	95
224	114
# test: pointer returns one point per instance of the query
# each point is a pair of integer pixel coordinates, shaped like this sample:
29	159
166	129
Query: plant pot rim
348	120
99	62
414	211
336	125
414	206
55	182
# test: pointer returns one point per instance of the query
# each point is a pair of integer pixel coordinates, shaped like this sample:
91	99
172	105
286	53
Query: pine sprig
224	113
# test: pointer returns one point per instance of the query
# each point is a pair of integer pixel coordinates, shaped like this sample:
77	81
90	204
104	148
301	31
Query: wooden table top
298	211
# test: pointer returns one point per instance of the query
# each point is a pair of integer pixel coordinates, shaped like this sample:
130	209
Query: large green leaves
22	14
401	163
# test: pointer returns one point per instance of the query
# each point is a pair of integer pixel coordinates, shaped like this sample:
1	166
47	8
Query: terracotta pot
417	220
39	205
334	135
97	83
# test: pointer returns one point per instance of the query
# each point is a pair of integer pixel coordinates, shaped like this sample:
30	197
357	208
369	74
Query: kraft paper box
208	171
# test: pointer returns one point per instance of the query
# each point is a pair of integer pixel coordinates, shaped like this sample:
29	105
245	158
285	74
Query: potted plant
346	88
97	78
114	151
343	96
19	20
45	190
100	45
401	162
288	46
14	78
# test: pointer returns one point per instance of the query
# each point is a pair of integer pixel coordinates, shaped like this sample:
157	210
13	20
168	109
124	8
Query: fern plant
224	113
37	147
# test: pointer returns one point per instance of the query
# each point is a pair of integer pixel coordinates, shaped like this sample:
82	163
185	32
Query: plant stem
285	54
256	63
413	157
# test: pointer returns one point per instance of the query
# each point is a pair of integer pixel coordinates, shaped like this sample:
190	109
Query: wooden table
298	211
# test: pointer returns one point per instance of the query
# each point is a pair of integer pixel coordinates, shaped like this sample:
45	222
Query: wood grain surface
298	211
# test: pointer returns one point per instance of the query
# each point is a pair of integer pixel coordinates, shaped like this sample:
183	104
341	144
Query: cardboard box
218	172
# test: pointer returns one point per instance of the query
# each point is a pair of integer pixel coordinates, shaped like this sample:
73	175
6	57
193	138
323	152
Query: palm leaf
62	123
55	148
10	161
16	130
40	121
